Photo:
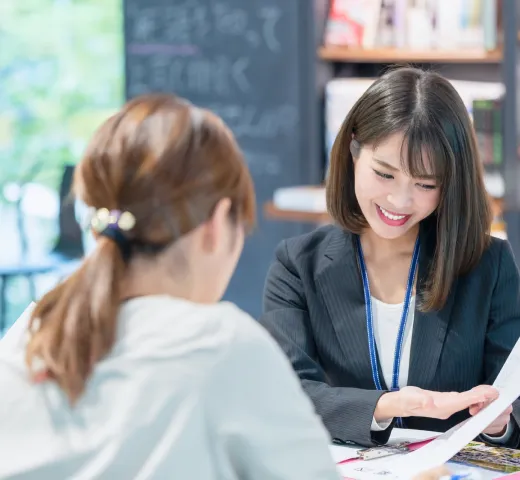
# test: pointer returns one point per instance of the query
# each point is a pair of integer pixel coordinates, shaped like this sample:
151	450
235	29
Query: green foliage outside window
61	75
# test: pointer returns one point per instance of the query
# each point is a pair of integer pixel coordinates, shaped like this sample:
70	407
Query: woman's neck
388	264
147	277
377	247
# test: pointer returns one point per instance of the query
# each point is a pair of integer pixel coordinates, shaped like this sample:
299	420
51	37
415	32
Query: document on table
340	454
445	446
16	337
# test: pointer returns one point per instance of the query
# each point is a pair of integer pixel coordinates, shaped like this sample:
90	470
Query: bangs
422	155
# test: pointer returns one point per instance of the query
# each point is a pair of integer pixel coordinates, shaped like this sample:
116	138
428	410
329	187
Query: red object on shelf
345	23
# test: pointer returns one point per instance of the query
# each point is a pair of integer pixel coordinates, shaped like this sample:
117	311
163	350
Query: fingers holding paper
499	425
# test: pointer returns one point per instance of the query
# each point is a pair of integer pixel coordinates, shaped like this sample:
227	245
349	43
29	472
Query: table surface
403	435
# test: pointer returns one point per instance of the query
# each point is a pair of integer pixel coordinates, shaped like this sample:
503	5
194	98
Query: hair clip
104	218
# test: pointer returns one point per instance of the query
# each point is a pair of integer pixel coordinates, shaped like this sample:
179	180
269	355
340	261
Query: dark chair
62	259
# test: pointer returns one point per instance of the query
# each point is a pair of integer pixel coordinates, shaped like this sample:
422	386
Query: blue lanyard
370	323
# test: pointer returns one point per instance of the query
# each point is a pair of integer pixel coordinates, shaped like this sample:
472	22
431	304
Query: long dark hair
169	164
428	111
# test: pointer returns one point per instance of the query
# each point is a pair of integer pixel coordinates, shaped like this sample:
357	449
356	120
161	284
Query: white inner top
386	322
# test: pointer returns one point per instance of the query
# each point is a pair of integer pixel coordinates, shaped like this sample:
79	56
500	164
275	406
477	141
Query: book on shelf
488	124
340	96
414	24
353	22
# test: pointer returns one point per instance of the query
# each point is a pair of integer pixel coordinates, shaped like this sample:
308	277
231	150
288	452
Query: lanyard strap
370	323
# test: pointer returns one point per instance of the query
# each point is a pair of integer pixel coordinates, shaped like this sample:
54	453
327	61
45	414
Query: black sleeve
346	412
504	327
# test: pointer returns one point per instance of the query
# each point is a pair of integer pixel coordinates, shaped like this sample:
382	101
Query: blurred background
282	73
61	70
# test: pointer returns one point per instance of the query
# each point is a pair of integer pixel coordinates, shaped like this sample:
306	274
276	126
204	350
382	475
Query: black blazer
314	307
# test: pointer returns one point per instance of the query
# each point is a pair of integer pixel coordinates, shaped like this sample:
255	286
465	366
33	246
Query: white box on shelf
301	199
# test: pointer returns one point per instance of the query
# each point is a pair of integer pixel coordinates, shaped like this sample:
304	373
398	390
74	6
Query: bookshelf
393	55
330	60
511	167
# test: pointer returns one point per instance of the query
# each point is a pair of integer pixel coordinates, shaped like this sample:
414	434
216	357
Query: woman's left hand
498	427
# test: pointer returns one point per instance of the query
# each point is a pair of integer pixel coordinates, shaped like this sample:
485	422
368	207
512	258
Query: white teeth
389	215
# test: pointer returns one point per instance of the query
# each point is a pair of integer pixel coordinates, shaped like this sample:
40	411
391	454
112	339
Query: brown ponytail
80	326
168	164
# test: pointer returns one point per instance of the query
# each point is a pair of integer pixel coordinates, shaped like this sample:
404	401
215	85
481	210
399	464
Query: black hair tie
115	234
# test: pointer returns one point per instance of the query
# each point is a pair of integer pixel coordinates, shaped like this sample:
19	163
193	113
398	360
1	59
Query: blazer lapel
340	285
430	328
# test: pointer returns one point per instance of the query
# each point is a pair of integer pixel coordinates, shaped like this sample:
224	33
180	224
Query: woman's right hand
416	402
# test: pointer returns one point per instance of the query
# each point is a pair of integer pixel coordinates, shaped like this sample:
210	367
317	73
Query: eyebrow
385	164
395	169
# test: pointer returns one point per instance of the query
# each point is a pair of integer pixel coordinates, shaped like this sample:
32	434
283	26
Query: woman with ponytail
133	367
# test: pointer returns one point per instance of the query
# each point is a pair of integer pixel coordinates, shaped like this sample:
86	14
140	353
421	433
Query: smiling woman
404	310
407	142
400	200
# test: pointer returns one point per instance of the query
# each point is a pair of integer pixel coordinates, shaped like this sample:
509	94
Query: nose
401	199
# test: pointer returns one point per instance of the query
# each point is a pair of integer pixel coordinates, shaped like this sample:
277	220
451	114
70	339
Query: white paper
379	468
445	446
400	435
340	454
16	336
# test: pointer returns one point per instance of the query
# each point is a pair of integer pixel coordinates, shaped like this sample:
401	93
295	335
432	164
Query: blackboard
252	62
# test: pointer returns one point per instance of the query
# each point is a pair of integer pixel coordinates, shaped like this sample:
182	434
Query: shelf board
394	55
273	213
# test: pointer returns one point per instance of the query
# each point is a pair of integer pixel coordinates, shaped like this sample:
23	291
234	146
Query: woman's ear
355	148
215	228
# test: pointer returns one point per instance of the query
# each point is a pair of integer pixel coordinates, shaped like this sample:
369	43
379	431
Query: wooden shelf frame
399	55
274	213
